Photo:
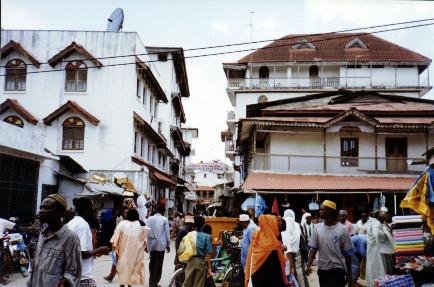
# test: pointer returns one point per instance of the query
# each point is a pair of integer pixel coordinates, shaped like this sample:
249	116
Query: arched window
14	120
262	99
264	72
76	77
313	72
15	75
73	134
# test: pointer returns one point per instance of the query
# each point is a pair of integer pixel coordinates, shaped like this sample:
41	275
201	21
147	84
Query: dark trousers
334	277
155	267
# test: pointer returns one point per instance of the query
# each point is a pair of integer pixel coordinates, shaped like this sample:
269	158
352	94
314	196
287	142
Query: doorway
396	154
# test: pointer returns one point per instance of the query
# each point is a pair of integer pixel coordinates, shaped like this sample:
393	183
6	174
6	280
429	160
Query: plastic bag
186	248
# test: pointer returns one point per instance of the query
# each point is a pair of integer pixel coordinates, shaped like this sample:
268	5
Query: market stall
413	234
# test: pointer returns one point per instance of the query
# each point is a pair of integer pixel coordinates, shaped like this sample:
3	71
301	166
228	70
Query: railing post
289	163
324	151
376	150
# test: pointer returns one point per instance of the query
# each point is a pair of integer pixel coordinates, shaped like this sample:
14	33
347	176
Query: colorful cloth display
395	281
408	235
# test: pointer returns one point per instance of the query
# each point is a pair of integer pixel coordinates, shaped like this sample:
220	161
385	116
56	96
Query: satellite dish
116	20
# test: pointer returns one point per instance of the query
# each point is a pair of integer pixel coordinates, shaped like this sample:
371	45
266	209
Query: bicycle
226	267
14	255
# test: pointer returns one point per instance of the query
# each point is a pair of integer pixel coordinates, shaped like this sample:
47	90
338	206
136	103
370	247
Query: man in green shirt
198	267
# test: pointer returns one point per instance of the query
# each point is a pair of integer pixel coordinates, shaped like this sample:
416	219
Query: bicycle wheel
177	278
234	277
24	263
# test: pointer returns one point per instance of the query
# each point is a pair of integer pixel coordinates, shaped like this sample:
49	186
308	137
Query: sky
202	23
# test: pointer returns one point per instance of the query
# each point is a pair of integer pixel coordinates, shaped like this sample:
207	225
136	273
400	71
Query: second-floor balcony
336	164
229	146
359	82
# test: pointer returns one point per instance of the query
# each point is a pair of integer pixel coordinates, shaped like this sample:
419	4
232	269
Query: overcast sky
198	23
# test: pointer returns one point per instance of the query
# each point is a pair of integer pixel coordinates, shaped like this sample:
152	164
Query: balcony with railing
335	164
325	82
229	146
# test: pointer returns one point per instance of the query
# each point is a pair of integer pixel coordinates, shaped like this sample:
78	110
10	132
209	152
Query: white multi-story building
328	114
83	104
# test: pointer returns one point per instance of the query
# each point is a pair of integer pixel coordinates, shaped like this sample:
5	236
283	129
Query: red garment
275	207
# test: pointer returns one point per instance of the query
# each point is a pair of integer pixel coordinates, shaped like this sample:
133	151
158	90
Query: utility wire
251	42
237	51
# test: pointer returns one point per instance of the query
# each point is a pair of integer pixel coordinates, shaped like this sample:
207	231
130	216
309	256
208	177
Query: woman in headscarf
265	260
291	239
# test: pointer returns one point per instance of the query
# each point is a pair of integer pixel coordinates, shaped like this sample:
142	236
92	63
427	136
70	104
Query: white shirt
5	225
80	227
362	228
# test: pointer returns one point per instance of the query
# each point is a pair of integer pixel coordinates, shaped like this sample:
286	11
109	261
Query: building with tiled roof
327	115
335	145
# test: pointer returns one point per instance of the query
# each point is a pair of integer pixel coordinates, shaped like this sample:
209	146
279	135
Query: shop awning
162	178
106	188
335	184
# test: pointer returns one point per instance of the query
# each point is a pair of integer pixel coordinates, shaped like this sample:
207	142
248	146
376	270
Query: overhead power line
243	50
253	42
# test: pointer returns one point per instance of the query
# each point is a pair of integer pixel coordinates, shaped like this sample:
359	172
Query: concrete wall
303	152
111	96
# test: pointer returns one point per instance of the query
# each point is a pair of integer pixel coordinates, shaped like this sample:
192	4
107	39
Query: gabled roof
351	113
74	107
14	46
20	110
330	47
356	43
70	49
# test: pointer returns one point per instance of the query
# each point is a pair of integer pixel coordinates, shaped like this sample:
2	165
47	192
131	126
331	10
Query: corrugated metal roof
294	182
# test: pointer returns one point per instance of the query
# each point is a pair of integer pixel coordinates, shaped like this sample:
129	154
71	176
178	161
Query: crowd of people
275	250
282	252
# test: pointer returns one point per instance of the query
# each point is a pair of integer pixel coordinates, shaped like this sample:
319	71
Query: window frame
264	73
14	122
76	68
77	132
20	69
350	158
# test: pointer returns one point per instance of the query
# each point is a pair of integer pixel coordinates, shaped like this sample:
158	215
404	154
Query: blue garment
260	205
203	244
360	244
159	235
245	242
430	170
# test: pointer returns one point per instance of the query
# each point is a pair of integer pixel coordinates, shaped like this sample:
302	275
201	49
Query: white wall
306	152
111	95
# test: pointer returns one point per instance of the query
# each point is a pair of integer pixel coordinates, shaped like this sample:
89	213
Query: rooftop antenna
116	20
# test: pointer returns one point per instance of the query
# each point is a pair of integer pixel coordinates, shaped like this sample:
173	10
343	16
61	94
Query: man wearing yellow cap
58	257
333	244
